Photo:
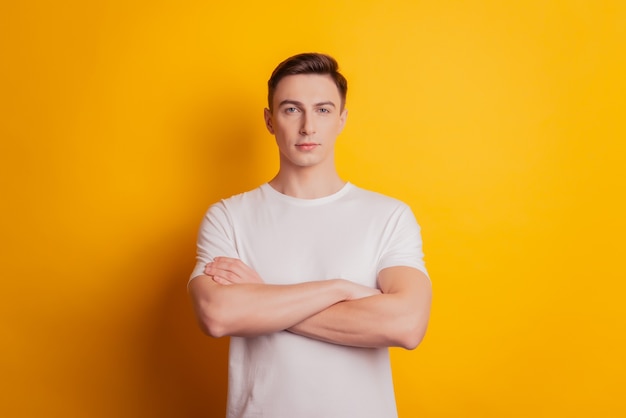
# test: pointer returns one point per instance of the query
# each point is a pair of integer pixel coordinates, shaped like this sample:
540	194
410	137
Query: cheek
288	127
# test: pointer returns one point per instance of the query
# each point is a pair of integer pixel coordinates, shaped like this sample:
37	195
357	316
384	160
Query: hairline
297	102
308	64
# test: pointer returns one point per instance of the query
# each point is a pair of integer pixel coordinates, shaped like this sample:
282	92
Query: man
312	277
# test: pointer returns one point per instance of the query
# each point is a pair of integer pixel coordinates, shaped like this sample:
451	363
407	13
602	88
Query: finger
208	269
227	275
235	270
220	280
225	260
222	266
233	265
224	263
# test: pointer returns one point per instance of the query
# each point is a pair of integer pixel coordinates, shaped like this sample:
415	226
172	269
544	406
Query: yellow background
500	123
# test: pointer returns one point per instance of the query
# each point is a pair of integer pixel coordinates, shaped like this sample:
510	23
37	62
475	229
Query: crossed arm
231	299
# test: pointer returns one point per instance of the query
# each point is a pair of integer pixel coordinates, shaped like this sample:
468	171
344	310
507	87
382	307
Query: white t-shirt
352	234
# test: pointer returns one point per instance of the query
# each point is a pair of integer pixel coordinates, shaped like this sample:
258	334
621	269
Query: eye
291	110
323	110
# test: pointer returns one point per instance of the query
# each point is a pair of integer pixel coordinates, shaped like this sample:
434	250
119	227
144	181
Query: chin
303	162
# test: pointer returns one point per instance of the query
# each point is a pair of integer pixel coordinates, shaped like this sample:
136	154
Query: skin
230	298
306	119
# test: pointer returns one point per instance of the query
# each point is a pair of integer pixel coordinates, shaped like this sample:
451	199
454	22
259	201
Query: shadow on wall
186	371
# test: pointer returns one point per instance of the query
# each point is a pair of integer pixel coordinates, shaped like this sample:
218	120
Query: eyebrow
300	104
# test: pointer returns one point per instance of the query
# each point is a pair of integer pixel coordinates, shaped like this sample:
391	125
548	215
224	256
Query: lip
307	146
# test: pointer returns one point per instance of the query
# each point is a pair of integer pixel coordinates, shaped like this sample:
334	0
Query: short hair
308	63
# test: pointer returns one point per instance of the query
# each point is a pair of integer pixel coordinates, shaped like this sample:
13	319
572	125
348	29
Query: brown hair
308	63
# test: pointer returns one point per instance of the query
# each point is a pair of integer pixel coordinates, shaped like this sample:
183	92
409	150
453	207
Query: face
306	119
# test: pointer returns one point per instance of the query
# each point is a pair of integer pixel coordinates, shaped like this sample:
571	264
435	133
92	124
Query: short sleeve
215	238
402	242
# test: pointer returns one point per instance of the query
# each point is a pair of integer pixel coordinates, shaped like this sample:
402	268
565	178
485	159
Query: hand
358	291
227	271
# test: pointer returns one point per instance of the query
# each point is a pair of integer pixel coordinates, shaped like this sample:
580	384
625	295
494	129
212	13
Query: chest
293	245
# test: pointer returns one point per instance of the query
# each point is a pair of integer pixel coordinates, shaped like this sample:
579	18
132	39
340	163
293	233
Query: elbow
212	328
412	333
411	339
210	314
210	322
415	323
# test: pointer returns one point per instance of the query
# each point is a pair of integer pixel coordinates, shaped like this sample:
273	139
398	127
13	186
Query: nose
308	126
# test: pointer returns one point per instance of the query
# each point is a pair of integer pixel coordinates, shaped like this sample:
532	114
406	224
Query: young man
312	277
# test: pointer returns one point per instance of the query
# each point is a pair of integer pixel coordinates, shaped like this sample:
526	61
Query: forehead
307	88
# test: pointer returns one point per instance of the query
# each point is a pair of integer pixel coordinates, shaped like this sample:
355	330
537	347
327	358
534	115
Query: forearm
255	309
369	322
396	318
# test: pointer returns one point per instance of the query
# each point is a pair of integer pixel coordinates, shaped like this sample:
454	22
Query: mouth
307	146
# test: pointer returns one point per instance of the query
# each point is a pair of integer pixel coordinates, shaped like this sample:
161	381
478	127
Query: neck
307	183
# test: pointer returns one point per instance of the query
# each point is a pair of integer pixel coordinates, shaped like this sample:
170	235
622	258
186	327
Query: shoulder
377	200
240	199
227	208
387	209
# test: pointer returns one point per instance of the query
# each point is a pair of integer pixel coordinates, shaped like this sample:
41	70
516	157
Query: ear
267	114
342	119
